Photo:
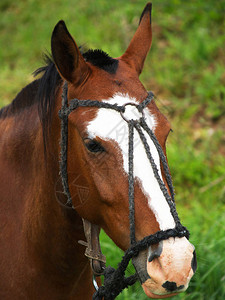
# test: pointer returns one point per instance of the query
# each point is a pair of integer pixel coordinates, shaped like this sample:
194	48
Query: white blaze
109	125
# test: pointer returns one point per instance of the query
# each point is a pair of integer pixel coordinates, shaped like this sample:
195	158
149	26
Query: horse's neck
18	134
47	233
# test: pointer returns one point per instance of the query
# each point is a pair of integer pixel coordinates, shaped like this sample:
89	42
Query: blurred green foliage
185	69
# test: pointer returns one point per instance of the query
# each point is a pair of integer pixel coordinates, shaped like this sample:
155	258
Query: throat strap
93	249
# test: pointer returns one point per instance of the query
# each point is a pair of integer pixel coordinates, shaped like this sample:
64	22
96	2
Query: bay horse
41	253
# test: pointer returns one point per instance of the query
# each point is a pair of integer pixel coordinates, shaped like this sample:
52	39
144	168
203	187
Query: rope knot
134	252
62	114
147	100
182	231
108	273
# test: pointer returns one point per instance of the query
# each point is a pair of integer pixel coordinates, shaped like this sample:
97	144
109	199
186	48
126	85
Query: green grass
185	69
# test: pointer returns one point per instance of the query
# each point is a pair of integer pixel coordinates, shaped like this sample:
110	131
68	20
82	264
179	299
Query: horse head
97	156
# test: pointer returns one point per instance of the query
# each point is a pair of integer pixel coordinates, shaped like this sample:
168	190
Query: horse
42	238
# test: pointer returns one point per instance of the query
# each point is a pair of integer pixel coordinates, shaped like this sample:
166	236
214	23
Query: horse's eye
93	145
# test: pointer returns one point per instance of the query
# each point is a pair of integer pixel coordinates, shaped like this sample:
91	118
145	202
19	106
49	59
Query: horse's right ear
67	57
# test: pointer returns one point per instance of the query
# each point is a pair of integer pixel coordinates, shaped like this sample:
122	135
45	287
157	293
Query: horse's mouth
152	295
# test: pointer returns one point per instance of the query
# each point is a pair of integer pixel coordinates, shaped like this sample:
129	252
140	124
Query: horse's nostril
152	254
171	286
194	262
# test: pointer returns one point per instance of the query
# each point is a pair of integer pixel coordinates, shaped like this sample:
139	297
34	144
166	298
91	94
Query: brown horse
40	254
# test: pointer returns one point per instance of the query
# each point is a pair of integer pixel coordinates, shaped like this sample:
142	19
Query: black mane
46	93
41	91
101	60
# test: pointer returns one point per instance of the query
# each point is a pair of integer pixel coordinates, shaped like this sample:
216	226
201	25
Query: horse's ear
141	42
67	57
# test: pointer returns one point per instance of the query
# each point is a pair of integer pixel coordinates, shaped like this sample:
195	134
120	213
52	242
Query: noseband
115	280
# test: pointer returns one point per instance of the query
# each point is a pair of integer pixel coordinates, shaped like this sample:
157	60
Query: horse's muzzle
165	269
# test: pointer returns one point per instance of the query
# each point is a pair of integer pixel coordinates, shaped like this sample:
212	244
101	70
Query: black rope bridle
115	280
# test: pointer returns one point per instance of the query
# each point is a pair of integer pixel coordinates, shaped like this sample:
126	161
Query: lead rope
114	279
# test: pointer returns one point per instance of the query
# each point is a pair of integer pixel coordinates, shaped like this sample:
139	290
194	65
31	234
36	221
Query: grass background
185	69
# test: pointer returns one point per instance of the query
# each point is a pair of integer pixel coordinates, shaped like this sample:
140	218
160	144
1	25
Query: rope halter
115	280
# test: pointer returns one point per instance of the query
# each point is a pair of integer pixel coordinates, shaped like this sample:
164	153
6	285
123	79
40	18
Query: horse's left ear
141	42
